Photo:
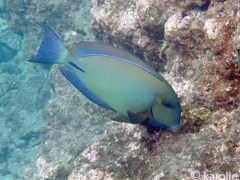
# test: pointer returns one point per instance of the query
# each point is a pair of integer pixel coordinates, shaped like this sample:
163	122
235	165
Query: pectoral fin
138	118
145	118
134	118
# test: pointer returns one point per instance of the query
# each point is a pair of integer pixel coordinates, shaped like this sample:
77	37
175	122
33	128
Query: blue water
24	93
32	121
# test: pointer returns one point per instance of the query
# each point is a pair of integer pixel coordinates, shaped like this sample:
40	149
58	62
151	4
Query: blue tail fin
51	49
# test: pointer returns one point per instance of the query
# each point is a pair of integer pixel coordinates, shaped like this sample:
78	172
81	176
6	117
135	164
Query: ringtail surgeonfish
114	79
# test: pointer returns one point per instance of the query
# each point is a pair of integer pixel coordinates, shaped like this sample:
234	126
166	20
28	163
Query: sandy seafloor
50	131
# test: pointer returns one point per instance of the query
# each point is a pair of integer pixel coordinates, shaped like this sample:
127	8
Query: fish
114	79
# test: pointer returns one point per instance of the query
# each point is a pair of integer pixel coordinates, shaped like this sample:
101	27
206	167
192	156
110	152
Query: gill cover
166	114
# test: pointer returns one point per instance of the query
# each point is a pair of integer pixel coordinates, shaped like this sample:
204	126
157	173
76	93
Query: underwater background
51	131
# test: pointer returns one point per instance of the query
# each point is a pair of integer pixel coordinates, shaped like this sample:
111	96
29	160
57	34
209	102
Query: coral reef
194	44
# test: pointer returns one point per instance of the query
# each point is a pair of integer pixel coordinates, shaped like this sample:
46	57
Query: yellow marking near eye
73	48
159	100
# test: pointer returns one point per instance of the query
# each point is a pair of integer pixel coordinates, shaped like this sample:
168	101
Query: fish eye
167	104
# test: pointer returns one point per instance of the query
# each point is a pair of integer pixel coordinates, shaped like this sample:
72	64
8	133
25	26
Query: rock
7	53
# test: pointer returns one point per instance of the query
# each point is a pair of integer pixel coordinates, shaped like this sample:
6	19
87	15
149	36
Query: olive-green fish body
109	79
